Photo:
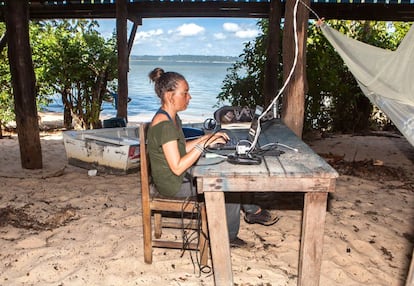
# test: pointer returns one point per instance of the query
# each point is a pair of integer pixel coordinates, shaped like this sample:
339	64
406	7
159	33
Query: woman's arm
178	164
206	140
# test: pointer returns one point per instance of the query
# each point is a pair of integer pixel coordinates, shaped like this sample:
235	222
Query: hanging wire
311	10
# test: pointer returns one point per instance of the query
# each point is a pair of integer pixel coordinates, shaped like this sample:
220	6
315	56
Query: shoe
237	242
264	217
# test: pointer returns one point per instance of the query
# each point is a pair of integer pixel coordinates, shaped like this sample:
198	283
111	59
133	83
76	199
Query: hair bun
155	74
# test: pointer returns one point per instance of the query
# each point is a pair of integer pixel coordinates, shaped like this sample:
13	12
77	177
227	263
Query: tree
70	59
23	83
6	96
334	101
81	65
243	85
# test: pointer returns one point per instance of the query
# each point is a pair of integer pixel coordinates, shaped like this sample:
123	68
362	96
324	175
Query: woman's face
181	96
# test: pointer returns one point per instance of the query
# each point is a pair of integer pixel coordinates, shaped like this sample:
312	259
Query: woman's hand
218	138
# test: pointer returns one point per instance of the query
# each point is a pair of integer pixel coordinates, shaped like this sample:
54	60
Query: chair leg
147	234
157	225
204	239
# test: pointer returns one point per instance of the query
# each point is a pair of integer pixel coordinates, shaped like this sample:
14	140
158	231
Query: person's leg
247	203
254	213
233	214
187	190
232	207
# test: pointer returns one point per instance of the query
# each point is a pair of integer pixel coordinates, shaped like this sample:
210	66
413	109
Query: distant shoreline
187	59
54	120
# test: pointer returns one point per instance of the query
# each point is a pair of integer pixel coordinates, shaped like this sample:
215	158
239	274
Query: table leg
313	223
219	238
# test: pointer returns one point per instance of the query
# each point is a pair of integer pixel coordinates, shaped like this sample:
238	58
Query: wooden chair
155	207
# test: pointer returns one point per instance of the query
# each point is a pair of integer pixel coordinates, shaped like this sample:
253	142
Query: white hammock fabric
386	77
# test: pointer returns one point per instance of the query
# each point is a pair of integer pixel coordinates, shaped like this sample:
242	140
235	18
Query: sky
189	36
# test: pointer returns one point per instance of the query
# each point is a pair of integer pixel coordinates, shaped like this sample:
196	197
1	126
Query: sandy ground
59	226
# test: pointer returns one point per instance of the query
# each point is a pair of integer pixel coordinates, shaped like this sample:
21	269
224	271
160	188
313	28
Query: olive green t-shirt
166	182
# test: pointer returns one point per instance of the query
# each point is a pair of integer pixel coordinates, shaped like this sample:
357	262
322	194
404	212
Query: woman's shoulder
161	124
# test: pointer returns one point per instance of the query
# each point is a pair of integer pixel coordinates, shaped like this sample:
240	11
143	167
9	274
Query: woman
171	155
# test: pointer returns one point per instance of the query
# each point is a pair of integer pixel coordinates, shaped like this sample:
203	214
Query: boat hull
108	150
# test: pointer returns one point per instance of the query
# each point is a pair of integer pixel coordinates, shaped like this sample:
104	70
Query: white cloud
231	27
148	34
191	29
240	31
246	34
219	36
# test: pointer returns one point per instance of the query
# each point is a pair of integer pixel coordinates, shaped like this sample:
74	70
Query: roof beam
101	9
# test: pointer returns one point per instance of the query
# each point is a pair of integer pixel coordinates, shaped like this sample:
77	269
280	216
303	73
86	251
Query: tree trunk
293	108
272	59
23	82
123	65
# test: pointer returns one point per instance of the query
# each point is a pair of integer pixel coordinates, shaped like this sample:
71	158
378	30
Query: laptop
235	140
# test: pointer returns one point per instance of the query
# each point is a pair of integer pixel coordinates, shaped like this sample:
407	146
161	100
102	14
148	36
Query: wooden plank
219	241
210	168
123	57
272	64
260	184
313	222
304	163
299	165
410	277
112	140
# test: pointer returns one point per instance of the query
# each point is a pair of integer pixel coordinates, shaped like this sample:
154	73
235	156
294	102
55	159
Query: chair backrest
145	192
144	160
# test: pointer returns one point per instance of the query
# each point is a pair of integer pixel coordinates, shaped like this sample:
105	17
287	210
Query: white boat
108	150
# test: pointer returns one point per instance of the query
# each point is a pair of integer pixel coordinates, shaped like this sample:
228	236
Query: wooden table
302	171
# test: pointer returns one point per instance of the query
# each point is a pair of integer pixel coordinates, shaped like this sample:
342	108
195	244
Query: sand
59	226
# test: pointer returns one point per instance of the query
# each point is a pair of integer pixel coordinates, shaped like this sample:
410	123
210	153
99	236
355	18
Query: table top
293	167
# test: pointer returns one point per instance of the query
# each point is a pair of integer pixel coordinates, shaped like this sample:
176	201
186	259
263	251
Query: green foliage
6	98
82	63
334	101
70	58
243	85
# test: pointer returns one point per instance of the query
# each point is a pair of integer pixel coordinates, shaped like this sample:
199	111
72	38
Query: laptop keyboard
229	145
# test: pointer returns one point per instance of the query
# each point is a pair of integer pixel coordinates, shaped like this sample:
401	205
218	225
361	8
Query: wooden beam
294	57
347	10
273	48
410	277
23	82
132	34
123	64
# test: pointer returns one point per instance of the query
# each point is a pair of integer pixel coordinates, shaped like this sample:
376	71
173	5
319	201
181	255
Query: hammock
386	77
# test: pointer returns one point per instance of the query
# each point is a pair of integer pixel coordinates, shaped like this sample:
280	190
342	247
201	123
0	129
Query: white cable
256	137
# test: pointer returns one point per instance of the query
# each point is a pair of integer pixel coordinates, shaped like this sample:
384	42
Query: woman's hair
164	81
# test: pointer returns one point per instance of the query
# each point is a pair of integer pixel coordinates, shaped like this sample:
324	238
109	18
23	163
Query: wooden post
294	96
311	242
23	82
273	48
123	64
410	277
137	21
